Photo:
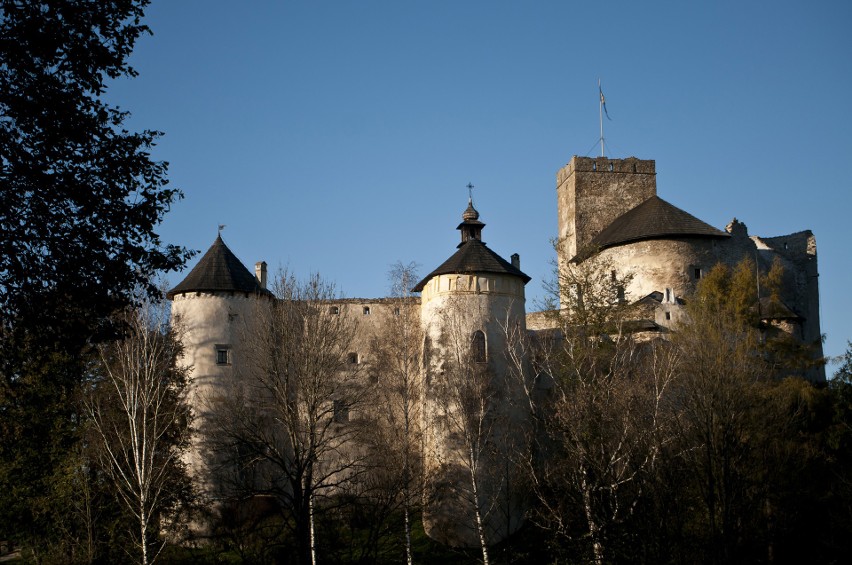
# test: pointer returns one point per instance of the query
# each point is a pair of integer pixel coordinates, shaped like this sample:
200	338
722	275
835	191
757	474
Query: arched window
477	347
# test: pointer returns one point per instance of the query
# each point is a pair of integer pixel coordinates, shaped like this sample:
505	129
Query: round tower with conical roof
472	308
213	308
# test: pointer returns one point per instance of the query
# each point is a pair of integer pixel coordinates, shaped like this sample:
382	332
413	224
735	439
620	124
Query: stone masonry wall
592	192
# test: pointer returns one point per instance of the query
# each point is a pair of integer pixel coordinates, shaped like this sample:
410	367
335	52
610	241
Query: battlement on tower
594	191
630	165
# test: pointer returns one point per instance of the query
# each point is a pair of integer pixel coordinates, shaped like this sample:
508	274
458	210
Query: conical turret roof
219	270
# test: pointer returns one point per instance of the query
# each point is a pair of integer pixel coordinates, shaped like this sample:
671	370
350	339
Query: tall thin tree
141	415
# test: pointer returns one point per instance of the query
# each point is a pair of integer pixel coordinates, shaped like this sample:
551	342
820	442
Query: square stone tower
591	192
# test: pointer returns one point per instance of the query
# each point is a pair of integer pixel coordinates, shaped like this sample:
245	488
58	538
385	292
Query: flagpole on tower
600	115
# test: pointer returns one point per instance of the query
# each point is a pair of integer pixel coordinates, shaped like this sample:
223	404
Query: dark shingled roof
653	219
218	271
473	256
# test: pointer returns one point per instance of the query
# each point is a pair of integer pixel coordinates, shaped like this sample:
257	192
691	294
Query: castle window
668	295
610	166
335	310
668	315
223	354
477	347
341	412
366	310
352	358
697	273
396	311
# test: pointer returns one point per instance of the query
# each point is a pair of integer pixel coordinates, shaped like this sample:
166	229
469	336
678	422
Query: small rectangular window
335	310
223	355
366	310
697	273
353	358
396	311
668	315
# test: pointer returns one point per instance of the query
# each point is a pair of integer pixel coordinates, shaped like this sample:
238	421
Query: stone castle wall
591	192
213	327
453	308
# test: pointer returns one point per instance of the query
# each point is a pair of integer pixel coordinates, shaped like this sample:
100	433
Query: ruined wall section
800	285
673	266
594	191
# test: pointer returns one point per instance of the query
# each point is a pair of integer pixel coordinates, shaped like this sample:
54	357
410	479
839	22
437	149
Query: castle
608	210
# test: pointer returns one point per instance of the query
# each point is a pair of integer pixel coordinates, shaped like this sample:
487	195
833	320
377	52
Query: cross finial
470	191
221	227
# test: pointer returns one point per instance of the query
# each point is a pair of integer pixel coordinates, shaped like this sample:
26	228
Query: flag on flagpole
603	101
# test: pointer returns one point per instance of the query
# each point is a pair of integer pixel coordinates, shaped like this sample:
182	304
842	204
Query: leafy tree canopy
80	196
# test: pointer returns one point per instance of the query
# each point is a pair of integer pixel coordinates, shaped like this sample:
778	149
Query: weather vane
221	227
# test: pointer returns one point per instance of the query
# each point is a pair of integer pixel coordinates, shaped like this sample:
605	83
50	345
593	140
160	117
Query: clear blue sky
338	136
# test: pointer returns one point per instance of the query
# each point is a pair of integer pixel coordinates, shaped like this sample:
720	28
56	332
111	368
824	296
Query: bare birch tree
140	413
469	424
604	422
289	418
397	351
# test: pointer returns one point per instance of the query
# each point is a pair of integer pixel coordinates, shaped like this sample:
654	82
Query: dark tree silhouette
80	200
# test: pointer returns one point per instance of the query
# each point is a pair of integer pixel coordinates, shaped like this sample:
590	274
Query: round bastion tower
472	310
214	307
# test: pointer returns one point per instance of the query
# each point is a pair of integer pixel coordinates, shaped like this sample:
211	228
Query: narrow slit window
478	347
341	412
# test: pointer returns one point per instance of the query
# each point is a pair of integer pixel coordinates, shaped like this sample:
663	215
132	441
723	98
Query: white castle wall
211	322
453	308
